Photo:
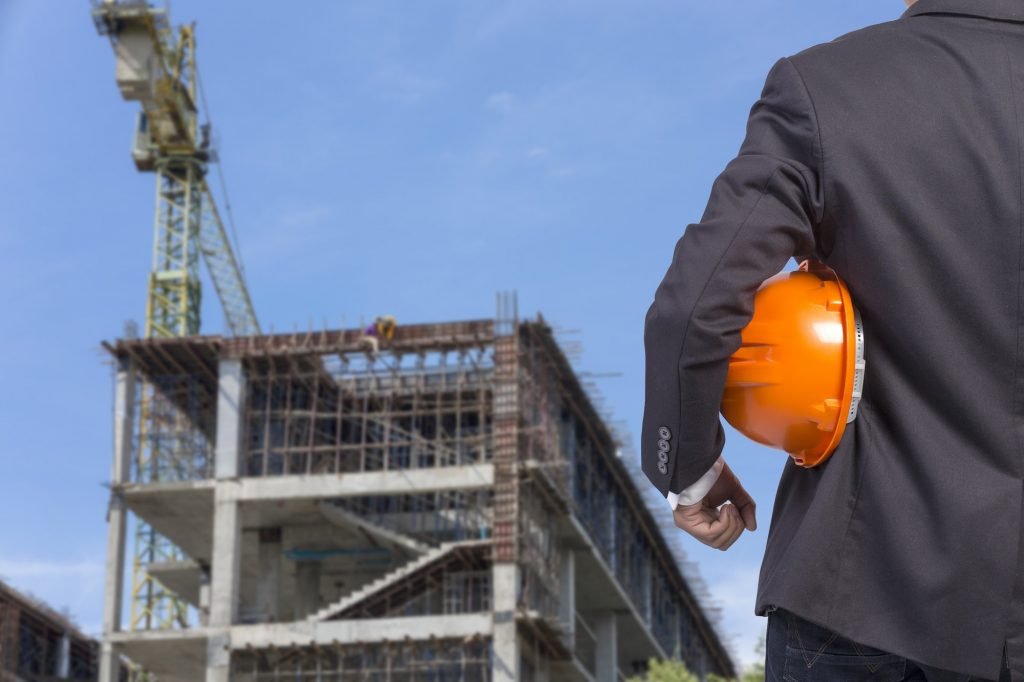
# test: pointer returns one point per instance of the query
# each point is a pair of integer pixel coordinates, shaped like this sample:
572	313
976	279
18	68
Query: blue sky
409	158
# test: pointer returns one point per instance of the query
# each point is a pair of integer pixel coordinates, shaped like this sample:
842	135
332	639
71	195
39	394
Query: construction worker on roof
383	327
892	155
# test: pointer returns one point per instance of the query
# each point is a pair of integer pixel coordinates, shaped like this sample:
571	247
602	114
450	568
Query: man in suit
894	154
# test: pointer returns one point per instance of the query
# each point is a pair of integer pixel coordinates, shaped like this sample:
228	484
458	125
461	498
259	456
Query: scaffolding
174	435
38	644
499	477
173	440
349	412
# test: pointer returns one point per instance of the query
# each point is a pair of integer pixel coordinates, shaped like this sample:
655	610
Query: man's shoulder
876	40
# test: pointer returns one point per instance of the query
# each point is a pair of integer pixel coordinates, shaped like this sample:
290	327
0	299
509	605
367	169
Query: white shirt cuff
696	492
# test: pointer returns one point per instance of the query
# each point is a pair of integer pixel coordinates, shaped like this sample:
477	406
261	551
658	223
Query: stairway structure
394	577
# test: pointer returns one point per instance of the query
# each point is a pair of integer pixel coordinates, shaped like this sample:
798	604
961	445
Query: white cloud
35	569
734	592
399	83
502	101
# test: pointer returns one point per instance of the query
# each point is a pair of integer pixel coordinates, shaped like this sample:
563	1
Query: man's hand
715	527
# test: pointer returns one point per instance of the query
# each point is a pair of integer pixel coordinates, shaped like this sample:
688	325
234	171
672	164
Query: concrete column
218	656
204	596
230	418
227	555
613	554
607	663
647	609
109	663
307	588
117	516
505	587
544	671
224	572
64	656
222	592
268	579
567	597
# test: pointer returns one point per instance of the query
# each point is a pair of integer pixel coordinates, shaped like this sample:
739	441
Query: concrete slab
324	633
181	577
277	513
357	524
180	511
171	655
397	482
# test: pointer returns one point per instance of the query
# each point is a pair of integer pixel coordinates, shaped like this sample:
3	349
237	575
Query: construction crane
156	67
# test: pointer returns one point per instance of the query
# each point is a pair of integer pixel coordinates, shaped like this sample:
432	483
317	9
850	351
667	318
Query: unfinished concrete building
449	508
37	644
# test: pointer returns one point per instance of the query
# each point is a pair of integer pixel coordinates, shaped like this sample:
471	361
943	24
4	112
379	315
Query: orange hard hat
795	382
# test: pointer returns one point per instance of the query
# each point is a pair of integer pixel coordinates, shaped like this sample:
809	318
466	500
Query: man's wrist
695	492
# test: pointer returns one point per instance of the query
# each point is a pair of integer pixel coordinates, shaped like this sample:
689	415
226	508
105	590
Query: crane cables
220	177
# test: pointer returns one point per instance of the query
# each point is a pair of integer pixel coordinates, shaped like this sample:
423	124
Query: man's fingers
740	496
722	516
749	515
715	528
726	526
746	506
733	530
697	520
727	542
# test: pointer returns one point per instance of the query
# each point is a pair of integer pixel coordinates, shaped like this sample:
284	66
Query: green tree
666	671
676	671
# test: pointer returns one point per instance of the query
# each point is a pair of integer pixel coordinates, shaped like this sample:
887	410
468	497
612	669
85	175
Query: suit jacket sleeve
763	210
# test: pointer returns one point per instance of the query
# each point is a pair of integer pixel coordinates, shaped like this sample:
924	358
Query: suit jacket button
664	433
663	456
662	468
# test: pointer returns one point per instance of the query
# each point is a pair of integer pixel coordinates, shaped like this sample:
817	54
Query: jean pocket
816	654
803	665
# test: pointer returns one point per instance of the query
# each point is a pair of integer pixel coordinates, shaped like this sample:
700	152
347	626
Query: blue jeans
797	650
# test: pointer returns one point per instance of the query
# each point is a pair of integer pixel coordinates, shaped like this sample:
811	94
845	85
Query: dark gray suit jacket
894	154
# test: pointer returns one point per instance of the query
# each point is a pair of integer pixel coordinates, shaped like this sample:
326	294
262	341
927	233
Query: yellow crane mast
156	66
